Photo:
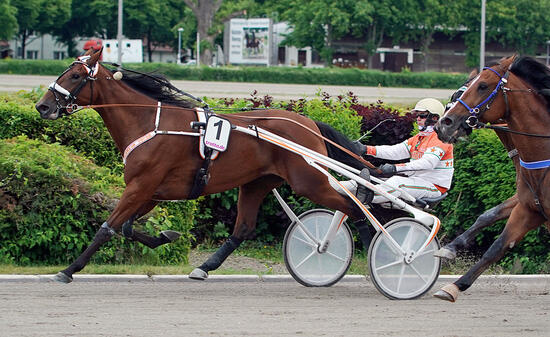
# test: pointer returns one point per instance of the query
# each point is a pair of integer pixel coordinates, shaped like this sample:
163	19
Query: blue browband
535	165
475	111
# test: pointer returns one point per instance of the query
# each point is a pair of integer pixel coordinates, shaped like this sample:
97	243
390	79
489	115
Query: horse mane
534	73
157	87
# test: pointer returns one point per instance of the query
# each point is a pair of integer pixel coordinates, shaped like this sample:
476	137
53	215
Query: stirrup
364	194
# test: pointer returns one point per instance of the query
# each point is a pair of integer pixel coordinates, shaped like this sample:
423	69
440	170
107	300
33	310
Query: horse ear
94	58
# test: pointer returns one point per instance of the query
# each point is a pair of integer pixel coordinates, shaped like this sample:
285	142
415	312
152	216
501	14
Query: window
58	55
32	54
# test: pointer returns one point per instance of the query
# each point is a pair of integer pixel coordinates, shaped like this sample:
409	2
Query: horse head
481	100
72	88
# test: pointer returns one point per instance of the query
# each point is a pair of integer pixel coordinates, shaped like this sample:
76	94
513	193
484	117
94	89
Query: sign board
132	51
250	41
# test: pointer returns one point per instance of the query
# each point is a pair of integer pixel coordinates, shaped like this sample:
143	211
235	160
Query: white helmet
431	105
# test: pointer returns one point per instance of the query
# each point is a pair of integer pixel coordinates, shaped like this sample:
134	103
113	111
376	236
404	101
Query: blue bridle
476	112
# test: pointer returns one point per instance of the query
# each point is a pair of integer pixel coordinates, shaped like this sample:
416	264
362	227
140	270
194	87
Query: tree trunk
204	11
149	49
23	43
426	42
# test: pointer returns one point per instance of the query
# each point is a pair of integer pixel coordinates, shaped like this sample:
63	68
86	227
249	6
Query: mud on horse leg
489	217
251	196
520	222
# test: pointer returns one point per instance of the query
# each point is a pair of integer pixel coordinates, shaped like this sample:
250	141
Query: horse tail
335	153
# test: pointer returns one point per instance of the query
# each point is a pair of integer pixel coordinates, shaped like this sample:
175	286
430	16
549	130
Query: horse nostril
42	108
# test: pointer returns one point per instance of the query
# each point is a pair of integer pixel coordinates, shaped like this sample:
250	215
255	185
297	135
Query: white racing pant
417	187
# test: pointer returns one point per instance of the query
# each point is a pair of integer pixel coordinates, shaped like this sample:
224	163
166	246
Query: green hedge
299	75
52	202
83	131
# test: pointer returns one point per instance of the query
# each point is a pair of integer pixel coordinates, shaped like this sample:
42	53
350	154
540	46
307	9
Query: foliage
8	19
83	131
52	202
332	76
395	126
484	177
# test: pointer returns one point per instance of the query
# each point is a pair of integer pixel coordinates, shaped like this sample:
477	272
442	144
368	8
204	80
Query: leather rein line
74	108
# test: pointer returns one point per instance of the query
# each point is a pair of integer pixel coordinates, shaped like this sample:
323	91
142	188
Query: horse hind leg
167	236
489	217
520	222
251	196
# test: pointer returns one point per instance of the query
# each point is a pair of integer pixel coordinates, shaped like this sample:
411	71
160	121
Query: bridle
477	111
70	96
473	121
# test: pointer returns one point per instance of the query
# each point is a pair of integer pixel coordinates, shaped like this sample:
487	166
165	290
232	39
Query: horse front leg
251	196
489	217
520	222
132	199
167	236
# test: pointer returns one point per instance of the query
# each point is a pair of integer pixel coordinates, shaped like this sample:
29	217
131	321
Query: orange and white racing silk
431	159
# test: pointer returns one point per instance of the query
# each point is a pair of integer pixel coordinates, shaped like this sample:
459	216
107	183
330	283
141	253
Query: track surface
490	308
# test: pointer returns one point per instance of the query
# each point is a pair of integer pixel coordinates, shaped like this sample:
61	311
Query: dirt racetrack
490	308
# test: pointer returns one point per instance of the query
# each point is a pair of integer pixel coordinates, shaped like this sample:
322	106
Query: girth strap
202	176
536	193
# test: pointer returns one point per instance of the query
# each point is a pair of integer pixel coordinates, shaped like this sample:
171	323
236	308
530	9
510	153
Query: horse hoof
198	274
62	278
171	235
448	293
445	253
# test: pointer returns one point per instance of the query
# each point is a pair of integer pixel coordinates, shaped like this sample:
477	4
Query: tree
210	16
425	17
154	20
27	16
41	16
9	20
317	23
375	20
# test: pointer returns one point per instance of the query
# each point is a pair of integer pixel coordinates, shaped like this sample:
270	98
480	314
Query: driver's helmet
431	105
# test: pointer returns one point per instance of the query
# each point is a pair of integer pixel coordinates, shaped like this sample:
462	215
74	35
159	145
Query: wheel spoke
335	256
418	273
305	259
407	242
308	234
304	241
390	244
389	265
400	277
424	253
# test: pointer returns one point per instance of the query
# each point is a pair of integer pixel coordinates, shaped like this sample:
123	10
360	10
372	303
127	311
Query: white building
39	47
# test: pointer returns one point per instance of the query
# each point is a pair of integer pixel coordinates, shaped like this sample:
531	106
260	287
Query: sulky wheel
302	258
391	273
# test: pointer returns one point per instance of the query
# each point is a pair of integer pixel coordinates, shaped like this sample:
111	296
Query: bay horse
516	90
133	106
494	214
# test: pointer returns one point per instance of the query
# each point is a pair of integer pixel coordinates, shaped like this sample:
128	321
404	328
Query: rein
348	152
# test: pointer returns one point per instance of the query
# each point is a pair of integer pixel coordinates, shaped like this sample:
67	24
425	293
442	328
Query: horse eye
75	76
482	86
